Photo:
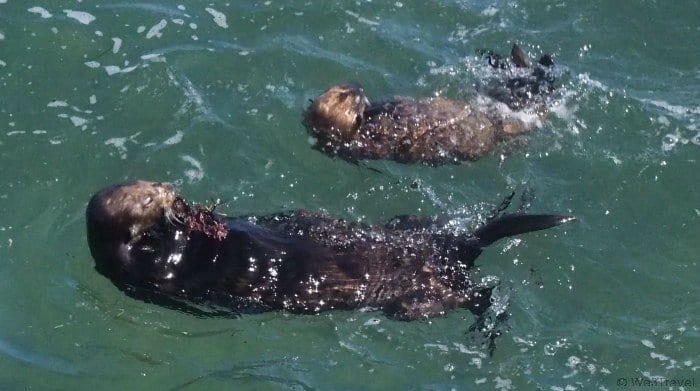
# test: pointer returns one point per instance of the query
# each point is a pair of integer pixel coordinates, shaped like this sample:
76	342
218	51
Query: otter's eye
148	201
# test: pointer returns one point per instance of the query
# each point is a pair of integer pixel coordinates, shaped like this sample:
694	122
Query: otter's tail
515	224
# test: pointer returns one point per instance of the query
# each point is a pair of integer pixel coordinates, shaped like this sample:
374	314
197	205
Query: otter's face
119	215
341	108
134	205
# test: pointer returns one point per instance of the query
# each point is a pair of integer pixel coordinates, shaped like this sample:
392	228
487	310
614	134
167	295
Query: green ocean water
209	95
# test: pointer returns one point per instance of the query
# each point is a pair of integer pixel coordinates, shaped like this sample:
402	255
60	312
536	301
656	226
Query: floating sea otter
152	244
428	130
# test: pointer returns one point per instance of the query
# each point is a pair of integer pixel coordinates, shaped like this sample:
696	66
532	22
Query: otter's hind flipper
515	224
519	57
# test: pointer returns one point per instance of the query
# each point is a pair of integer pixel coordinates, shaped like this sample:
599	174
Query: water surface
209	96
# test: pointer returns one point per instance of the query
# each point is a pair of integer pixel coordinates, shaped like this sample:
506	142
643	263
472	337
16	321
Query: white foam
372	322
41	11
120	144
196	173
57	103
502	384
114	69
439	346
530	120
80	16
679	111
93	99
614	158
585	78
490	11
659	356
362	19
193	97
129	69
117	45
175	139
3	63
219	18
671	140
153	57
141	29
78	121
178	21
155	31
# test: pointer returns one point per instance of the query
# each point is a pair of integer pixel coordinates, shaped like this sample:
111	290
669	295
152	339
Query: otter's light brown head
340	109
119	214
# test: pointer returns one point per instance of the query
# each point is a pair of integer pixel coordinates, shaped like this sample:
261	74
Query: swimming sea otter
426	130
149	242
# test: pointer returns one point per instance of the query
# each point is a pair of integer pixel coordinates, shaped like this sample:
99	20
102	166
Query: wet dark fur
420	130
300	261
526	85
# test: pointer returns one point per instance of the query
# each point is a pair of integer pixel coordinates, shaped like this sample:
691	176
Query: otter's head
340	109
120	215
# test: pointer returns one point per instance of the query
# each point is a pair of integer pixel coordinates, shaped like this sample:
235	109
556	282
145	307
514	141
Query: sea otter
155	246
432	130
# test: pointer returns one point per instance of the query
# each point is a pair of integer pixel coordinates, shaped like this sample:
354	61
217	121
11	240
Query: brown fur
166	251
427	130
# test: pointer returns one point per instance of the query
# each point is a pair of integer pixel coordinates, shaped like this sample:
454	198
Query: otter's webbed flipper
516	224
503	227
519	57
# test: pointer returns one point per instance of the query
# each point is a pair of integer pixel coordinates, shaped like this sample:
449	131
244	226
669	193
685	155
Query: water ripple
51	363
